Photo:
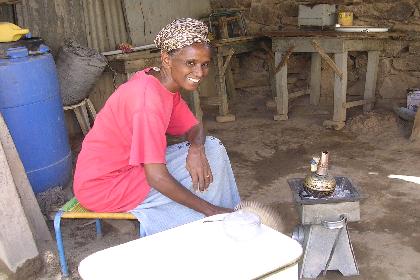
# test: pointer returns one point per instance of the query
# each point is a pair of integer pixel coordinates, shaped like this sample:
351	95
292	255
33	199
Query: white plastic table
197	251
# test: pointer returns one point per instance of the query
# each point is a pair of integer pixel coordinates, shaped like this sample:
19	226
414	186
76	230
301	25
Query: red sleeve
148	144
182	119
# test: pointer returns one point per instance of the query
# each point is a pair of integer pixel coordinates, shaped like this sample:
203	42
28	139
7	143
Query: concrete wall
399	64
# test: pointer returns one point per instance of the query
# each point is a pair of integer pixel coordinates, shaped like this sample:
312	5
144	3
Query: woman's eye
205	65
190	63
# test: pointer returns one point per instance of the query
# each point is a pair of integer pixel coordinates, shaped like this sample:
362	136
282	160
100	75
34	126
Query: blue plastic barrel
31	106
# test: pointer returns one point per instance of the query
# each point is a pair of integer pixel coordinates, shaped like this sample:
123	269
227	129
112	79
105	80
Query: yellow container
10	32
345	18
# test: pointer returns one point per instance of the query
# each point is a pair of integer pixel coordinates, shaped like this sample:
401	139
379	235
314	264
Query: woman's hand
217	210
199	168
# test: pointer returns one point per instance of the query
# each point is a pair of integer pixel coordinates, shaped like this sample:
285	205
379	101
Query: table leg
271	104
371	76
340	89
196	105
315	83
282	95
221	88
230	84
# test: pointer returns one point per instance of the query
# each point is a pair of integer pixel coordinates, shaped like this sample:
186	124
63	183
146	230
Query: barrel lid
34	45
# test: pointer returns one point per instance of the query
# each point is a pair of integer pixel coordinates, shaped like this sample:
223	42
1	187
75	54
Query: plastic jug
10	32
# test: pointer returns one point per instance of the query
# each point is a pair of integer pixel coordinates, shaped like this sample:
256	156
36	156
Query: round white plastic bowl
242	225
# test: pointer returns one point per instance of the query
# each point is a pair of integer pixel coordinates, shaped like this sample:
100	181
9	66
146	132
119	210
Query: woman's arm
159	177
197	163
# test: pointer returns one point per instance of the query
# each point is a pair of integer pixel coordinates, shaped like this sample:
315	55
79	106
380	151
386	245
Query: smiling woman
125	164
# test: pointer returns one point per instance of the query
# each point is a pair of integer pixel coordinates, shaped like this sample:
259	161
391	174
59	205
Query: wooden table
224	50
198	250
319	43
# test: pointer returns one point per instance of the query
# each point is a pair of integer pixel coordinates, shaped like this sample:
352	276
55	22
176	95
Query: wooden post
271	68
196	105
223	29
230	84
371	76
315	82
282	97
340	89
221	87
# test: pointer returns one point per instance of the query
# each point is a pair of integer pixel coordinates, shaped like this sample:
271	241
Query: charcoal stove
323	230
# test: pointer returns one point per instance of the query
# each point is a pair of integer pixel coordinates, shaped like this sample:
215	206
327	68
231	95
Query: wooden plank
282	97
315	78
340	88
148	53
230	83
297	94
196	105
223	109
357	103
140	48
371	77
328	59
223	29
363	45
330	45
227	61
130	66
284	59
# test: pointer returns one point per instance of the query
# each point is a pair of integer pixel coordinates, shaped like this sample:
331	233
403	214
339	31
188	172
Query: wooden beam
357	103
284	59
328	59
226	64
282	96
371	77
340	88
315	79
298	93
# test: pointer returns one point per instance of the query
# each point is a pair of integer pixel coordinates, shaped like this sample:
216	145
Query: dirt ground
265	153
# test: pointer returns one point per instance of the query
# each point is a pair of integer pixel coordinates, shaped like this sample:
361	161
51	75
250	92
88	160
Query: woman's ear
166	59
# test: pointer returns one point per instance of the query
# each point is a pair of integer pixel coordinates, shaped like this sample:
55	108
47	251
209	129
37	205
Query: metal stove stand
323	230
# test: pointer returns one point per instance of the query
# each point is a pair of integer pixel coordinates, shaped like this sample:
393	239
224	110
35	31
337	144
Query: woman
125	165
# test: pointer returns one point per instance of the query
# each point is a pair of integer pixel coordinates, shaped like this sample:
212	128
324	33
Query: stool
82	111
73	210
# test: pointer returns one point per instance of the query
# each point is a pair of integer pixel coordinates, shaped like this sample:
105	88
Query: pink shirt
129	131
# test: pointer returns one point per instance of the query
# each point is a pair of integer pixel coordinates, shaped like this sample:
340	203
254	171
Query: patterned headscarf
181	33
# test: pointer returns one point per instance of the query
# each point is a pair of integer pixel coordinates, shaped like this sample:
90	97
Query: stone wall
399	66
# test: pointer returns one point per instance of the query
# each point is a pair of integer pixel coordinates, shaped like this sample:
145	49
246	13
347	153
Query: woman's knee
214	146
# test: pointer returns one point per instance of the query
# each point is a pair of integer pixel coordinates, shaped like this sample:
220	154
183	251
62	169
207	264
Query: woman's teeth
193	80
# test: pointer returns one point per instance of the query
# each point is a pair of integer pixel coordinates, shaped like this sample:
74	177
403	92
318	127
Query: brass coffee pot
319	183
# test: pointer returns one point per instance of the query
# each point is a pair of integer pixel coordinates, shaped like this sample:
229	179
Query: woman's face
189	66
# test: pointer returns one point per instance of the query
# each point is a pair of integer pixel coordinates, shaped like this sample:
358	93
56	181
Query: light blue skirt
158	213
